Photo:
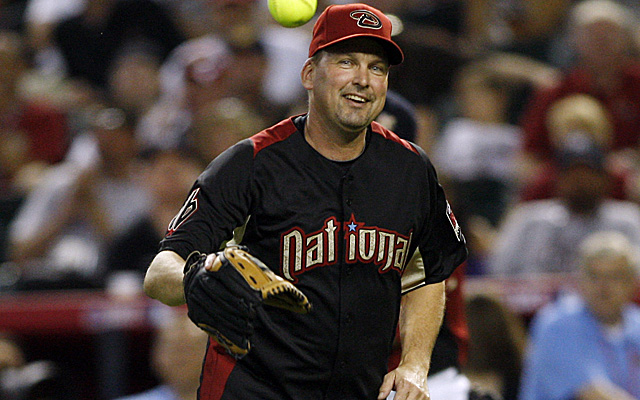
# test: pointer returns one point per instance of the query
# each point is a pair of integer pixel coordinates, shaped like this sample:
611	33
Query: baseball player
340	208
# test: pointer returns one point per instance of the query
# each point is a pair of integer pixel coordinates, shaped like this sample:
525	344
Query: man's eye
379	69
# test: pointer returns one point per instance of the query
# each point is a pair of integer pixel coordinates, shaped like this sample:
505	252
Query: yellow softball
292	13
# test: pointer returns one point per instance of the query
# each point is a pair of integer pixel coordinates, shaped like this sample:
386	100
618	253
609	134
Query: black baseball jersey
343	233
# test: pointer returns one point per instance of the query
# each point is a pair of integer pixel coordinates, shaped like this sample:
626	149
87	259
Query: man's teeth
356	98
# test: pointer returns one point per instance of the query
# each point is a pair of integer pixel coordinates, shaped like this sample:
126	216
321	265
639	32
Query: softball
292	13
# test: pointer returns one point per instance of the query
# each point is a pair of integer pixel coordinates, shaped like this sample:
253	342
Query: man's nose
361	76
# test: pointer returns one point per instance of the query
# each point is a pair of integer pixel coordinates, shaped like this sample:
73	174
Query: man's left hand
409	382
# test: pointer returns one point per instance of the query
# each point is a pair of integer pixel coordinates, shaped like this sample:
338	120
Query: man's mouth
356	98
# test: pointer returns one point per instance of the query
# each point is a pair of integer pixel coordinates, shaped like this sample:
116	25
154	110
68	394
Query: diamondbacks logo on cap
366	19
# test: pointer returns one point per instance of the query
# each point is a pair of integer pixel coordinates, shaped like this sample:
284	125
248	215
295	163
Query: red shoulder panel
274	134
387	134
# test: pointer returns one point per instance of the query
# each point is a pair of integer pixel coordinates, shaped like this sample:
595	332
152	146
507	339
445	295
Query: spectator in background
586	345
248	77
268	54
201	105
59	234
575	113
542	236
176	358
195	74
477	148
40	19
476	151
167	175
604	68
35	380
88	42
581	187
497	340
530	28
40	122
221	124
431	36
33	133
133	80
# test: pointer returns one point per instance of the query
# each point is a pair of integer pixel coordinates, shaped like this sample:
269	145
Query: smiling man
342	208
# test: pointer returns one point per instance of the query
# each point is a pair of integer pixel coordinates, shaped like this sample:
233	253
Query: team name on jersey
302	251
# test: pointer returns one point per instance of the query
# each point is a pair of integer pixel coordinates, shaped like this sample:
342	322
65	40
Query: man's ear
306	75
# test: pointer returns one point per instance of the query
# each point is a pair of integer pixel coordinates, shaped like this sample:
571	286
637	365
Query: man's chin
356	124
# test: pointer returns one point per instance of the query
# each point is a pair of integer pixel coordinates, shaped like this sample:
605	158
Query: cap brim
394	53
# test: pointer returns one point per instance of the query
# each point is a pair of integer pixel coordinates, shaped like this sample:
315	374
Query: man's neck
334	144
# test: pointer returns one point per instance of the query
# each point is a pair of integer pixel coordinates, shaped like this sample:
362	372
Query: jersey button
349	202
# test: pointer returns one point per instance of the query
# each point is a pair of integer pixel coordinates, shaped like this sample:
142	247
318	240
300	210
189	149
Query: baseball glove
223	300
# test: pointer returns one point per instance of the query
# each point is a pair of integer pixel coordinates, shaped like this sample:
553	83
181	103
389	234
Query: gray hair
589	11
609	244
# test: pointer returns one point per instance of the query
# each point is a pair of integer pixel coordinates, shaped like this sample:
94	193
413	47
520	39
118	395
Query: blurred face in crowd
219	125
206	83
608	283
236	20
178	353
246	74
134	81
602	44
347	84
169	176
482	100
582	187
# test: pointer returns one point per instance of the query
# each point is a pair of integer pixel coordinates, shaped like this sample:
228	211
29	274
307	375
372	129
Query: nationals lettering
301	251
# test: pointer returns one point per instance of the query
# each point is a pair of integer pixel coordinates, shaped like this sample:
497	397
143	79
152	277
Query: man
338	205
542	236
78	207
586	346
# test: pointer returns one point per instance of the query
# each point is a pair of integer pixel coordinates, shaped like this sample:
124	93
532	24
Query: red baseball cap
342	22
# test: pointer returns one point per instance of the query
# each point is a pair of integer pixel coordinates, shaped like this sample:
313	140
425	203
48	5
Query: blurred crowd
109	110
